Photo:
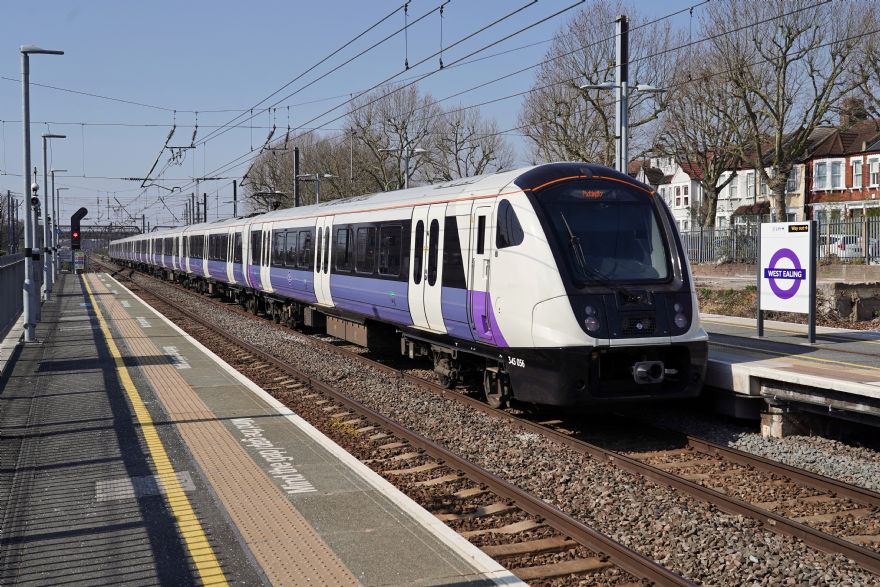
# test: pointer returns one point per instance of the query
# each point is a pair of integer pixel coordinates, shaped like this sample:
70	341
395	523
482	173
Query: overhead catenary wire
235	161
318	64
226	128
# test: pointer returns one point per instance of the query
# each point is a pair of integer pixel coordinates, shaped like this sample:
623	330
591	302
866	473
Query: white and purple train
560	284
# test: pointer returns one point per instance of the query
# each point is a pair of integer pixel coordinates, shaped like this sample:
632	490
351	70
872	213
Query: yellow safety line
832	335
795	357
197	544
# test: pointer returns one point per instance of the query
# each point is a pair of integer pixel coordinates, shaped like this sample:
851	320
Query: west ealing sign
786	269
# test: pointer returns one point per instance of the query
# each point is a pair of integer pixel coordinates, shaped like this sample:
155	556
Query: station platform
840	371
130	454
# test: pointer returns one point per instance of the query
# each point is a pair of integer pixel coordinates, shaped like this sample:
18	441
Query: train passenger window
290	247
326	250
509	232
390	240
319	261
342	253
256	246
365	261
224	247
236	248
418	252
481	235
305	249
278	248
433	251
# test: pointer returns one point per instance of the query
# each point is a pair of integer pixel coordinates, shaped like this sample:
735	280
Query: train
563	284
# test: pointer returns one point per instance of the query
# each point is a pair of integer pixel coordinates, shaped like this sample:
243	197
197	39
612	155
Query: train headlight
680	316
591	322
681	320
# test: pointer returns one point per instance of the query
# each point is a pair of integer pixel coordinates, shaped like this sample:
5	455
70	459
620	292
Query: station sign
787	270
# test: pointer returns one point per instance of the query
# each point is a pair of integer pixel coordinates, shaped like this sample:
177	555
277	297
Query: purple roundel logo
795	275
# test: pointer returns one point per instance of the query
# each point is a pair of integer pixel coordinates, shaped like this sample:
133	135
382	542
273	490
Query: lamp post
408	153
315	177
48	262
620	85
55	206
58	199
29	298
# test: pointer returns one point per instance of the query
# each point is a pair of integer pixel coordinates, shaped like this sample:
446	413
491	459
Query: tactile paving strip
283	542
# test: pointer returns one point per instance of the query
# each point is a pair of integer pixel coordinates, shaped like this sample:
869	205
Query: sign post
787	271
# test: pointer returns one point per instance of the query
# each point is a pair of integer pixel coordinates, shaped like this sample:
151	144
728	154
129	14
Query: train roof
524	177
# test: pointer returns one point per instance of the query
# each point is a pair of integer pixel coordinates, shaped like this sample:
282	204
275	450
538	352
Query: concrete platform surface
843	363
133	455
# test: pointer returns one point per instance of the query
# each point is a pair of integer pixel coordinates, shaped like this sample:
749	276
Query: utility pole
235	198
407	152
197	197
621	72
10	221
205	206
192	208
296	199
316	177
143	223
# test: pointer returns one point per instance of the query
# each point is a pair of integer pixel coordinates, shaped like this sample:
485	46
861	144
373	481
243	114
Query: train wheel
446	371
495	389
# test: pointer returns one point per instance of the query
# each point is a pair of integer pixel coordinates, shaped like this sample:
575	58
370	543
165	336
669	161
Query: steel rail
623	557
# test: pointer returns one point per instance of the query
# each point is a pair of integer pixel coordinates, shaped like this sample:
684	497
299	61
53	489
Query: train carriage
561	284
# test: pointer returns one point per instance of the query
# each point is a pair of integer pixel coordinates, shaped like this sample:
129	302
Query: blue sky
228	55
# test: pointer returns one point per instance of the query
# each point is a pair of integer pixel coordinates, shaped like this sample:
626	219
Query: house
677	183
843	174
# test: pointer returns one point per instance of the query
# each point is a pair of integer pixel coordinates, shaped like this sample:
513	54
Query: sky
221	58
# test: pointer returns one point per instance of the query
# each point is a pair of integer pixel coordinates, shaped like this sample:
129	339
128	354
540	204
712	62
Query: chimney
852	111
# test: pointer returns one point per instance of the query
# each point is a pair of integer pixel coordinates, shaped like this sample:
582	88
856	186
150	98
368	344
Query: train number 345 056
514	362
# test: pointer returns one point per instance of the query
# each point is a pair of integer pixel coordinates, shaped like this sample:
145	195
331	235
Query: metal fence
11	280
854	241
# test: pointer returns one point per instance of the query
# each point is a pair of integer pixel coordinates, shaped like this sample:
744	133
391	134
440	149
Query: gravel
838	460
683	534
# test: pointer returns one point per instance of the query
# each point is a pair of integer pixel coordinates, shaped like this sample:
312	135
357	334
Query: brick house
843	173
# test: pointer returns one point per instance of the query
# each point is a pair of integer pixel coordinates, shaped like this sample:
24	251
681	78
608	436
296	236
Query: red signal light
75	234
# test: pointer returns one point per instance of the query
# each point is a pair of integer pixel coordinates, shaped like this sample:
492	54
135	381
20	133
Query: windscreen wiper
575	243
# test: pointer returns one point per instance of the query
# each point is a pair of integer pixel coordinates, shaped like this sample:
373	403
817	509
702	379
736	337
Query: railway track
782	498
535	540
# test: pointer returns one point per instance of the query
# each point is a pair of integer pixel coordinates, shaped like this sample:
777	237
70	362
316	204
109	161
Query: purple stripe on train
217	270
485	325
293	283
253	273
238	273
382	299
453	306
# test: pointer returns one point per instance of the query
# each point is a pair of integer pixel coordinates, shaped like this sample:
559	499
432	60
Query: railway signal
75	232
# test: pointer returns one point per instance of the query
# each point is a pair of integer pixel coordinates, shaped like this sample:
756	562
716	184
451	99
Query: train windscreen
607	231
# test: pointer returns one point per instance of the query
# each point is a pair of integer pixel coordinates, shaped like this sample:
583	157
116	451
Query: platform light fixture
28	294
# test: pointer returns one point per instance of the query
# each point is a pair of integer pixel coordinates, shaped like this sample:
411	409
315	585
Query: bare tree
467	144
702	127
393	117
788	70
867	57
564	122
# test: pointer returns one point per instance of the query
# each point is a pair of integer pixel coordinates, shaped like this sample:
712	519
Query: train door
229	255
252	255
426	277
323	242
265	277
479	301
